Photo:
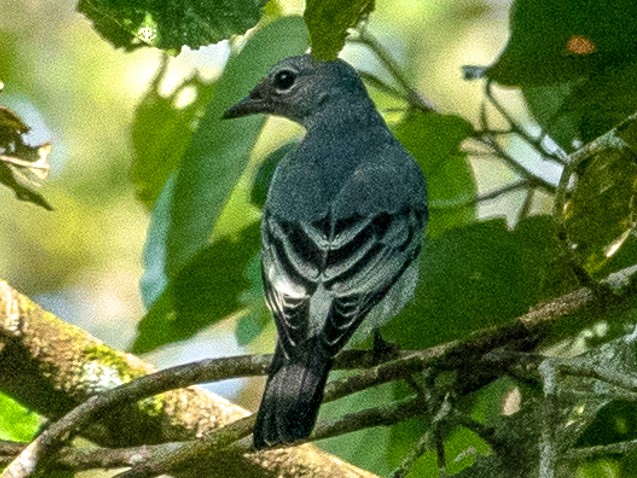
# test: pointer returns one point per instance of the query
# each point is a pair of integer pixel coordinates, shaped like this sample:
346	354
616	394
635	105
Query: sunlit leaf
328	21
599	210
161	132
16	422
170	25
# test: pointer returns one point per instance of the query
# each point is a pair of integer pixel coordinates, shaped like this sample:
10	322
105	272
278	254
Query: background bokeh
122	122
83	260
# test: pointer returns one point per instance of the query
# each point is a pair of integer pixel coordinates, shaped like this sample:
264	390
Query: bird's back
364	172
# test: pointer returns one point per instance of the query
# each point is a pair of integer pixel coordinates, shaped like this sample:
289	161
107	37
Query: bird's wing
365	266
290	265
357	259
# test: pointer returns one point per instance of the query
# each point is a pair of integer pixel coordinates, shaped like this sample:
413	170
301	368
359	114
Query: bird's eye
284	79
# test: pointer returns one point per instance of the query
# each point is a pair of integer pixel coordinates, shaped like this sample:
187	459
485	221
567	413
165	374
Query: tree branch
466	354
52	367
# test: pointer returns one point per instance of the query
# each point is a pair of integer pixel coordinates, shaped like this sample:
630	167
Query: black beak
252	104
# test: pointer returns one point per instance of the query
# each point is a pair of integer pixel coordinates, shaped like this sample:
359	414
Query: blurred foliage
328	22
575	64
570	59
555	42
479	276
158	151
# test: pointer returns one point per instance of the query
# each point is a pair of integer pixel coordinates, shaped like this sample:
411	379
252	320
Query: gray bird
341	230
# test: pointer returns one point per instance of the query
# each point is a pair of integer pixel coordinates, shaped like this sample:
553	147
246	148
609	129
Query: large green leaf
219	150
170	25
207	290
478	276
556	41
161	132
575	62
328	21
206	280
434	141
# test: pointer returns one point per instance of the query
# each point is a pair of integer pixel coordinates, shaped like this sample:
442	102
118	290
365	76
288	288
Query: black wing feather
357	259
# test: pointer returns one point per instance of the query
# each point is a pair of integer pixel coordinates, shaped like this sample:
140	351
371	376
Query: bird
341	231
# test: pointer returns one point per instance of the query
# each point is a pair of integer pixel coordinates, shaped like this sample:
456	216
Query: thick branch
452	355
52	367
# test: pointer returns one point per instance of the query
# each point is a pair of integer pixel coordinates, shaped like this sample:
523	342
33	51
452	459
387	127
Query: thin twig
559	157
21	163
489	140
411	94
372	417
526	205
623	448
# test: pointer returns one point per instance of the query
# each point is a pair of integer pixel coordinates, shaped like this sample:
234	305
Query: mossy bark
51	366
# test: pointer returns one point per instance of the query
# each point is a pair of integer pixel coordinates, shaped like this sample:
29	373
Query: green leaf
161	132
599	211
328	21
434	141
16	422
251	325
154	280
22	166
219	150
170	25
581	111
207	290
261	182
479	276
546	104
575	63
555	41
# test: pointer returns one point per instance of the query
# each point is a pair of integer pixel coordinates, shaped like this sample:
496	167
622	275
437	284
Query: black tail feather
292	397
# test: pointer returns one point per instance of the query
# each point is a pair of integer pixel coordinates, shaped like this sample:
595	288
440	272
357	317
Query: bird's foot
382	350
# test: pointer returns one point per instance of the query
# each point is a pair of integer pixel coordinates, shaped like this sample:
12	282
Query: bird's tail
292	397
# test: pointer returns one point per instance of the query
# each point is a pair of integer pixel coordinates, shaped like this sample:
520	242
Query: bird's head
300	88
